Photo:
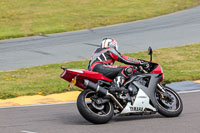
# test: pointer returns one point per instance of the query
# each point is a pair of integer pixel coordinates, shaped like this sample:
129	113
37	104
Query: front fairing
155	68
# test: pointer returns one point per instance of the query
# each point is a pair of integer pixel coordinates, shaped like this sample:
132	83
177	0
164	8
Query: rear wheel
170	105
91	110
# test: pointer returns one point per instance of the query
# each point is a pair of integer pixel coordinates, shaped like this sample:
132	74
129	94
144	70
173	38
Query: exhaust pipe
95	87
101	90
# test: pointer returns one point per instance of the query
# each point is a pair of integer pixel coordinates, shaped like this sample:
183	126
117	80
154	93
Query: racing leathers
102	61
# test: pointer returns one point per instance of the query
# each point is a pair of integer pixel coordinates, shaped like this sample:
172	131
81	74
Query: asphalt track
165	31
65	118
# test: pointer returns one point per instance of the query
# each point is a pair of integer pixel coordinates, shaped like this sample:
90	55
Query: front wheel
169	105
91	110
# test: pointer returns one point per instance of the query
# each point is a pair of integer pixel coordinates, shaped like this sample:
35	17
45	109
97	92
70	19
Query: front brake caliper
162	95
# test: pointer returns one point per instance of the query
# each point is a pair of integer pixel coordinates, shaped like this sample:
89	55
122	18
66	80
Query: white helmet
109	43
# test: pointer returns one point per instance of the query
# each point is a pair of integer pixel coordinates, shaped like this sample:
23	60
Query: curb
39	99
197	81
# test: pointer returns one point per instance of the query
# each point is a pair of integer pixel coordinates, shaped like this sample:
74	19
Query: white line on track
28	132
21	106
182	92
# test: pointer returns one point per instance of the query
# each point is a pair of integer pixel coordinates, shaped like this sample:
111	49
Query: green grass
179	64
19	18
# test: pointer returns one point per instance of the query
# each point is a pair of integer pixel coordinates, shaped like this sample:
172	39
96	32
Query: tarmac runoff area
69	97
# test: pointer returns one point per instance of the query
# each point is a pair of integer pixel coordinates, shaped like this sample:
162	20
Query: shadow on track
79	120
136	117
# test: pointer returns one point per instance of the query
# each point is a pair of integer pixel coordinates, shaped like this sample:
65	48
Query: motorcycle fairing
140	104
144	95
150	90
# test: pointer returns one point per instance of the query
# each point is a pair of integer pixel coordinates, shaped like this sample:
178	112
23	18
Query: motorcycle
144	94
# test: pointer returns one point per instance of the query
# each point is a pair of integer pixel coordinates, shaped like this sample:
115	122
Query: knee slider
128	71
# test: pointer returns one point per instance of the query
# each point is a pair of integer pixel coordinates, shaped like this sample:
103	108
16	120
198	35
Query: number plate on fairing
72	83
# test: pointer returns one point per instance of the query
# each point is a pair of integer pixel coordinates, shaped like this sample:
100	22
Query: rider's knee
129	71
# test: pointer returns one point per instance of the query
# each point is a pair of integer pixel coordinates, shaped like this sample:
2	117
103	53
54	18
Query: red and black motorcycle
143	94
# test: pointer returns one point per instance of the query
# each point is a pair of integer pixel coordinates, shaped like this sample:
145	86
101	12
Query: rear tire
90	113
165	109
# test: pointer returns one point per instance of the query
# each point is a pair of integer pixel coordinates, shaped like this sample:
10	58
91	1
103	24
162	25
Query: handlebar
145	67
142	69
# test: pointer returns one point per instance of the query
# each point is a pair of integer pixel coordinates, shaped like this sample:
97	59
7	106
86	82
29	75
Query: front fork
162	92
161	88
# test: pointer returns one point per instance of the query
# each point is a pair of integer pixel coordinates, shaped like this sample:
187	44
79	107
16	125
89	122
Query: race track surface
165	31
66	119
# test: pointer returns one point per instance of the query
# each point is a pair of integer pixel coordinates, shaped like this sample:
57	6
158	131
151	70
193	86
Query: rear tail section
77	76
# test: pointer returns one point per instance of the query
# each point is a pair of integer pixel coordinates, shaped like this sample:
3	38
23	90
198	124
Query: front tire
97	114
169	107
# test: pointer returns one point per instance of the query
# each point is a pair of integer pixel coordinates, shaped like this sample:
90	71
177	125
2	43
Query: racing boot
117	85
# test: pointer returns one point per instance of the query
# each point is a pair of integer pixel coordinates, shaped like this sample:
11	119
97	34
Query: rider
103	59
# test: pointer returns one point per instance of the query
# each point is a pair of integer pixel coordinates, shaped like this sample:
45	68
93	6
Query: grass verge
19	18
179	64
